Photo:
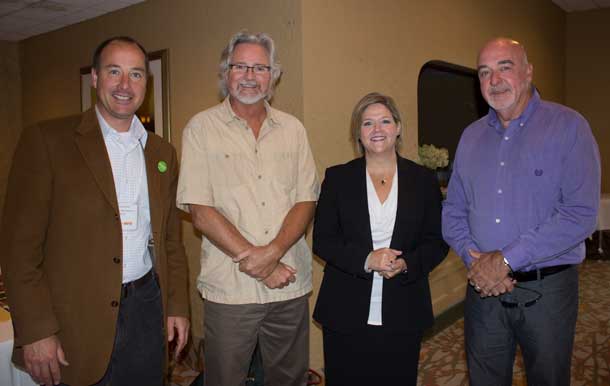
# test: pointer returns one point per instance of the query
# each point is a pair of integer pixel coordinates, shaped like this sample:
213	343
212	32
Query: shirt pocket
227	169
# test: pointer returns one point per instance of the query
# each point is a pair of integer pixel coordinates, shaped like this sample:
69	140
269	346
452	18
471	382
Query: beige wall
351	47
333	52
10	109
588	79
195	33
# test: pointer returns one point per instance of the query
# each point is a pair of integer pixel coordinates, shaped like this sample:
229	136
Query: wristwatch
510	270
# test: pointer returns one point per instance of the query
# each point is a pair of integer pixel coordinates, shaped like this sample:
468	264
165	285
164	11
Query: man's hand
282	276
259	262
42	360
179	325
488	273
399	264
383	259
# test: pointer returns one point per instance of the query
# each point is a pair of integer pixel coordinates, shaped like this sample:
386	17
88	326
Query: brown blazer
62	240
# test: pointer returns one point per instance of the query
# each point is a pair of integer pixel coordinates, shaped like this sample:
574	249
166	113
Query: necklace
383	181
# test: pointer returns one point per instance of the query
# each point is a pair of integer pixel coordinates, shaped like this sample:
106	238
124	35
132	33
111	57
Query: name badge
129	217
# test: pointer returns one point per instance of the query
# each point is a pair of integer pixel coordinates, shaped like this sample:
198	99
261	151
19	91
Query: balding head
506	77
508	44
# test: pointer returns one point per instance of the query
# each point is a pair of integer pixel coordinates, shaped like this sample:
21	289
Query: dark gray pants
544	331
232	331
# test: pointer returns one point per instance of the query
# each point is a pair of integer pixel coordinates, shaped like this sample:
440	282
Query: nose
249	73
124	81
495	78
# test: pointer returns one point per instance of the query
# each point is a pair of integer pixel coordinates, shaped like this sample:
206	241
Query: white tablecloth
603	218
9	374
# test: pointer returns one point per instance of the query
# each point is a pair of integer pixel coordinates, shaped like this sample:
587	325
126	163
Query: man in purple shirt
523	196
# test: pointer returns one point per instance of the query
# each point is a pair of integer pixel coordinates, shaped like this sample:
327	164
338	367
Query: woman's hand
383	259
400	265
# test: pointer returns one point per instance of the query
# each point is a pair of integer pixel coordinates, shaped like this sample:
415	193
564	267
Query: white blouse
382	217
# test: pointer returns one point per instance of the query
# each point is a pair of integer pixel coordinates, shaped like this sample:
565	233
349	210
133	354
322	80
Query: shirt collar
532	105
228	115
137	130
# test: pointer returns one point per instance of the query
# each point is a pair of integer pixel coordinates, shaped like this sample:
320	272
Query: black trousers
544	331
371	356
139	347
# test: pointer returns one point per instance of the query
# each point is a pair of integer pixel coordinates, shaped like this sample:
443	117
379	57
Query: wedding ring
477	288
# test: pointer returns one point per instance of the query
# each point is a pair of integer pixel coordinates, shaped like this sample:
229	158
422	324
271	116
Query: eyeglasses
258	69
509	304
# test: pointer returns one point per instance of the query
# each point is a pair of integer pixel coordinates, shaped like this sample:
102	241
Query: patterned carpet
443	361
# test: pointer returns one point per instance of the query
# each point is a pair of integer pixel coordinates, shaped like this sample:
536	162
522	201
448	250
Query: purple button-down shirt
530	190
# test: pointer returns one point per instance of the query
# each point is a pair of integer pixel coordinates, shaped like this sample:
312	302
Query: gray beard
250	100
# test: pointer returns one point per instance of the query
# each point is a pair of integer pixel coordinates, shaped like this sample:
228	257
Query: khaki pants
232	331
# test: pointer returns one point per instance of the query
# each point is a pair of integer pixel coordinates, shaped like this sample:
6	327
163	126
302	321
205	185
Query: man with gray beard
249	181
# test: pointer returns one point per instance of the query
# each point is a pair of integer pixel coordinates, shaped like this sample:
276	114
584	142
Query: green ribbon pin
162	166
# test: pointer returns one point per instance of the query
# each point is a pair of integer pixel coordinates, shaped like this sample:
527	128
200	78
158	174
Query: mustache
499	89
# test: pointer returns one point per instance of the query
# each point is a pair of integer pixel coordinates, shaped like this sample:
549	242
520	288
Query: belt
539	274
138	283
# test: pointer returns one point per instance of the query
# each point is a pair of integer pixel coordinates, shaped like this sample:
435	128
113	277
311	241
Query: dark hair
366	101
123	39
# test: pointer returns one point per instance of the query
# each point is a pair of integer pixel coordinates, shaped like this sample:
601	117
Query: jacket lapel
153	175
90	143
406	197
362	204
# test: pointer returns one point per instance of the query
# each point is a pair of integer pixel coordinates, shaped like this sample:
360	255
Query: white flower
432	157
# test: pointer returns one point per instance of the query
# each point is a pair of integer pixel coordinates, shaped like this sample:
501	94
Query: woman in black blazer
377	216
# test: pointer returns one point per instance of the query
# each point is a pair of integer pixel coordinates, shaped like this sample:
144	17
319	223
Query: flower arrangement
432	157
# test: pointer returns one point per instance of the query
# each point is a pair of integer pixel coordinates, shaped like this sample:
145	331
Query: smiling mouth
378	138
122	97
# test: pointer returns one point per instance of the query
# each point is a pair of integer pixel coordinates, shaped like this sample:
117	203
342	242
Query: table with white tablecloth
603	218
9	374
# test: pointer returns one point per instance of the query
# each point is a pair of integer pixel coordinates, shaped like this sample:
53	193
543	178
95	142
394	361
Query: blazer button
114	303
117	260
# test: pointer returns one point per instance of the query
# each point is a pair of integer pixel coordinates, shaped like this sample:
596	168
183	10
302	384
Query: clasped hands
385	261
488	274
263	263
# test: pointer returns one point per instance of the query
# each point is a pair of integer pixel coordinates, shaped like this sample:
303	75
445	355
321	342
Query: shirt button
117	260
497	221
266	232
499	191
114	303
506	138
263	203
521	124
502	163
255	151
259	176
226	156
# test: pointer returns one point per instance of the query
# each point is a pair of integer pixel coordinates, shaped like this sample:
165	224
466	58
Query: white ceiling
582	5
20	19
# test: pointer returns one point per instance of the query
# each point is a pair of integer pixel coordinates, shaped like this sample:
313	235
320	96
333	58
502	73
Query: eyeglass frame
257	69
520	304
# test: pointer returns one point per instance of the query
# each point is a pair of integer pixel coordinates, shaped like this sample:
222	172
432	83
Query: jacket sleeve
431	250
177	264
24	225
330	242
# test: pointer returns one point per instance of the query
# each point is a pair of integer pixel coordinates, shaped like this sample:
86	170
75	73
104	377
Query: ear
530	72
93	78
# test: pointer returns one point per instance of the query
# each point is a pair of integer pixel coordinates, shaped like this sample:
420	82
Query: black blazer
342	238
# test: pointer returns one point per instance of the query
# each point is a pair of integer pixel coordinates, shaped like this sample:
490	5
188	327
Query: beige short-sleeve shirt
253	183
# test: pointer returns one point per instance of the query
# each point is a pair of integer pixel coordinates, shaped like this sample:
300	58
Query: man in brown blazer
96	274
